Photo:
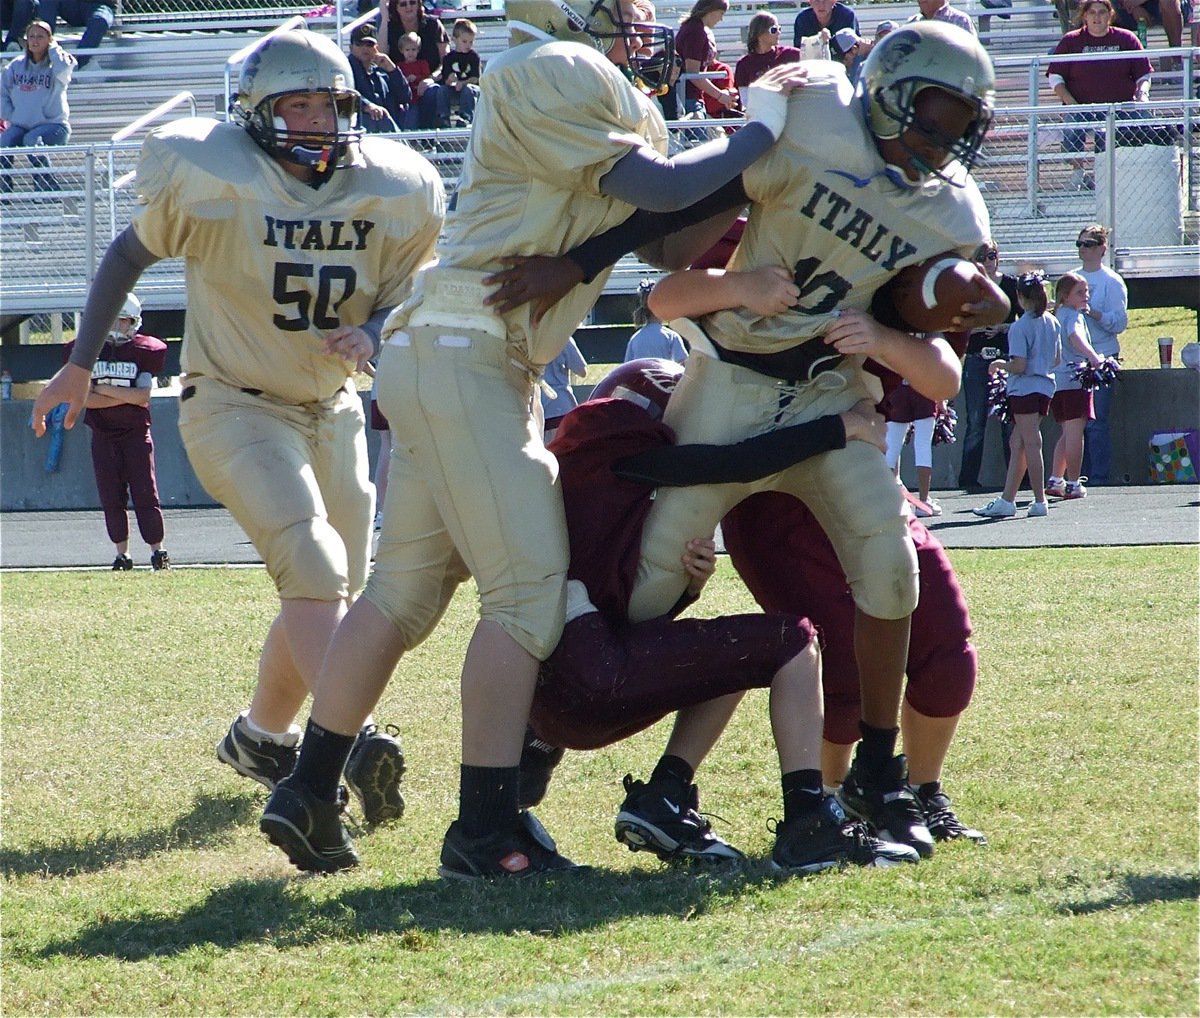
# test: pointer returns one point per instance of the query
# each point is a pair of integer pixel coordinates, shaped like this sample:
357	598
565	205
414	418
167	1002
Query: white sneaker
1056	486
930	508
1037	509
1075	489
998	508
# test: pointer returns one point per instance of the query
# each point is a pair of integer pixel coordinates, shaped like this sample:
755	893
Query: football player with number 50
299	237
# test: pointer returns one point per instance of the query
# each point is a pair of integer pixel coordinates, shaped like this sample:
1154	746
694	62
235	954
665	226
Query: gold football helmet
598	23
292	62
921	55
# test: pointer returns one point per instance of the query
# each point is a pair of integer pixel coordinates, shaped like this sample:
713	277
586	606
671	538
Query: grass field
136	881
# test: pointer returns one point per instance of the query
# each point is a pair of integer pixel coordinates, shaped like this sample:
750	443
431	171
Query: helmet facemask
299	63
651	65
131	311
898	103
322	152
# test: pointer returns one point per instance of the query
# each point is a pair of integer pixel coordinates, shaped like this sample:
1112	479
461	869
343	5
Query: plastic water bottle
1141	33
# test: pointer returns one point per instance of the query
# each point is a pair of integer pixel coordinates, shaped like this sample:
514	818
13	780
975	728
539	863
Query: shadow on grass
211	816
1136	889
271	911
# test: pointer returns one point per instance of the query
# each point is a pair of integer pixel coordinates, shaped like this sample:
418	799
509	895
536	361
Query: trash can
1149	195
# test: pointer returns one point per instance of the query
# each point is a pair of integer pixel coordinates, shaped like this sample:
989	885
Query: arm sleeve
653	182
642	227
373	326
120	268
680	466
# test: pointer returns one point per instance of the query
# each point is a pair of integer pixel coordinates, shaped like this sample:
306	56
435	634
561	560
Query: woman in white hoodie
33	102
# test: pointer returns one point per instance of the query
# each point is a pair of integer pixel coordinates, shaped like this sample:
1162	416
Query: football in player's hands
930	295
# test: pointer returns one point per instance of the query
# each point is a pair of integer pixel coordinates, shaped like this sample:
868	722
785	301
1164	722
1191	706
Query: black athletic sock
487	799
878	747
929	788
802	793
323	756
673	769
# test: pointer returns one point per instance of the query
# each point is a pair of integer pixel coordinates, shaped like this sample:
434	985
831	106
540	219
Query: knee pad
942	686
887	586
534	620
308	560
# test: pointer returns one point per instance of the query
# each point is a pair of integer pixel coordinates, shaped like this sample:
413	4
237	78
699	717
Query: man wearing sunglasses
1107	317
378	80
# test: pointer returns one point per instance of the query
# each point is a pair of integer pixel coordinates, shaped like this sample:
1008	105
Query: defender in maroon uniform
609	678
118	412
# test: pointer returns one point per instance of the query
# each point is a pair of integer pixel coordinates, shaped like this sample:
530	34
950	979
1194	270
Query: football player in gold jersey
863	183
299	237
564	145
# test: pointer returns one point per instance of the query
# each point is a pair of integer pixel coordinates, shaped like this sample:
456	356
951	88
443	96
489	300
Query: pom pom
998	396
945	420
1100	376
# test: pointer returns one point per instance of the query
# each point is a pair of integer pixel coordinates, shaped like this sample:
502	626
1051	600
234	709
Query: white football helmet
921	55
598	23
292	62
131	309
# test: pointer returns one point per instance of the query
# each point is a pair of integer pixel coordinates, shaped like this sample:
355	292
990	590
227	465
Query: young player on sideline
300	236
563	146
863	183
118	414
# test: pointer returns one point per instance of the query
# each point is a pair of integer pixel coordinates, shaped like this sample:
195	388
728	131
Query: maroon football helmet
647	381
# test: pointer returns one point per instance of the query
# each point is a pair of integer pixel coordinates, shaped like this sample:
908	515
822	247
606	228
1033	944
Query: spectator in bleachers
1100	81
850	49
762	52
94	18
820	19
460	74
379	81
33	102
697	49
940	10
883	28
1168	13
423	106
652	339
403	17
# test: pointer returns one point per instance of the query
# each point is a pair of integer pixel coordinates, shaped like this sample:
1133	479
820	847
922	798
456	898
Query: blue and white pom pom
945	420
1100	376
997	395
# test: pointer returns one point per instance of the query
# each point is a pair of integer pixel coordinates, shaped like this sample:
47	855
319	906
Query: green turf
136	882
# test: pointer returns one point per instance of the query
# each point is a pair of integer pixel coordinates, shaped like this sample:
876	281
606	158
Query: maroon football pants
124	466
787	562
603	683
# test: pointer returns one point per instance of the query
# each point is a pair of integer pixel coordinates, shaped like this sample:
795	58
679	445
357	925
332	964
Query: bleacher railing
1040	187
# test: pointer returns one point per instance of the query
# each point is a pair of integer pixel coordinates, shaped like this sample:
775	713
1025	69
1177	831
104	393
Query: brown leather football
929	295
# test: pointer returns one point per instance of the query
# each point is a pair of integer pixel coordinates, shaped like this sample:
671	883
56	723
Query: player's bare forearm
100	401
700	562
69	385
542	279
121	394
930	365
694	292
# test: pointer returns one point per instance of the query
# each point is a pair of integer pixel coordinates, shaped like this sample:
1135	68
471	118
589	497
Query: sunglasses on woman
773	30
1087	243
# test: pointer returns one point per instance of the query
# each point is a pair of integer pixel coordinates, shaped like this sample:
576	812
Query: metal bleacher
51	242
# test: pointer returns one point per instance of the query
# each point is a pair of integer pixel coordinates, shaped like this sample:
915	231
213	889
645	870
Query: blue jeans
422	114
30	137
448	97
94	18
1097	447
974	415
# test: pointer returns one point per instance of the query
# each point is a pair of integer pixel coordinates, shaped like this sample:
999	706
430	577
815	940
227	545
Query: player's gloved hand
766	100
538	278
864	424
769	290
69	385
700	561
351	344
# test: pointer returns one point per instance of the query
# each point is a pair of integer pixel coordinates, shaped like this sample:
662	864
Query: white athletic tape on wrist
769	108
